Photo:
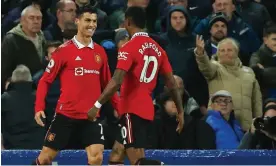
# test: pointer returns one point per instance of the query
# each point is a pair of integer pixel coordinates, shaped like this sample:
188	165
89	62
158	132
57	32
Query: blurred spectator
54	91
24	44
13	17
163	134
218	30
66	12
219	129
228	73
271	7
237	29
162	22
19	128
263	63
199	8
70	30
180	45
102	17
254	14
262	134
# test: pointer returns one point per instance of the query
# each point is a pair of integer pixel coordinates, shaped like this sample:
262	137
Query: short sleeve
125	59
165	65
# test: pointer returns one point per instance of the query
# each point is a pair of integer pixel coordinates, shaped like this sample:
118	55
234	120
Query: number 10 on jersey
147	61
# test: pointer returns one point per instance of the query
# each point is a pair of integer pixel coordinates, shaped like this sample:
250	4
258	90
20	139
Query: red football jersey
83	73
142	58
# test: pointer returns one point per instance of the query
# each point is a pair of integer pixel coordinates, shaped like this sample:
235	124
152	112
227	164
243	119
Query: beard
218	36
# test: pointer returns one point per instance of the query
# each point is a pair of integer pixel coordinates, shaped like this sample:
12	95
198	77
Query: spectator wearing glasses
219	129
66	13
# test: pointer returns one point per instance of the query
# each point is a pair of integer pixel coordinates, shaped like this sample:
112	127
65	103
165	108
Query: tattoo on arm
174	91
113	85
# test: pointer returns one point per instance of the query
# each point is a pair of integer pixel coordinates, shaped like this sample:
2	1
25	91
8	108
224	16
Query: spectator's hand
38	116
200	44
180	119
92	113
260	66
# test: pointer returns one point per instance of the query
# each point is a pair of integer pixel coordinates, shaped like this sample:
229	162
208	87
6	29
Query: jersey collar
80	46
140	34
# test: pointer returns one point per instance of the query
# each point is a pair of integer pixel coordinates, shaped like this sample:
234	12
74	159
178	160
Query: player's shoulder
98	47
63	47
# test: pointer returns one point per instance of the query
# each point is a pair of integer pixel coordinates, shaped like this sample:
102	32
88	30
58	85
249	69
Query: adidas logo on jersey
78	58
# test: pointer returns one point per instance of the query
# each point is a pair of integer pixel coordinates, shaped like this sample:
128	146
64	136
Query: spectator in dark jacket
237	29
180	45
19	128
254	14
263	63
54	91
219	129
24	44
262	137
218	30
66	12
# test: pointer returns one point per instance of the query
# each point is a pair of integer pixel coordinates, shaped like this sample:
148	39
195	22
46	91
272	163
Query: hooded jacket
18	49
180	53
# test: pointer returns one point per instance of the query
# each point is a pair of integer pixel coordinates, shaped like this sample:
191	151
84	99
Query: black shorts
134	131
64	129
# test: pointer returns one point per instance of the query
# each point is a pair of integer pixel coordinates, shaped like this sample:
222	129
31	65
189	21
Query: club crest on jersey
98	58
51	137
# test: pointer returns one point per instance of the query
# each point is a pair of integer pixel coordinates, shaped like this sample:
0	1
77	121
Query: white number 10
148	59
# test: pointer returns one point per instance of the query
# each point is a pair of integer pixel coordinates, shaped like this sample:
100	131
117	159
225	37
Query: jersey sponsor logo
98	58
80	71
122	56
51	137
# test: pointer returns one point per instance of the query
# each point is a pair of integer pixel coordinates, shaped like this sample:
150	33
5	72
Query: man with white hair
229	74
19	129
24	44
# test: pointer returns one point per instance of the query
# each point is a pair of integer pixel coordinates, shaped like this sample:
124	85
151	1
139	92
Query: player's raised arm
48	77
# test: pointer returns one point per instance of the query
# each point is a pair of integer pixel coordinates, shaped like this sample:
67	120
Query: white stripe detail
129	129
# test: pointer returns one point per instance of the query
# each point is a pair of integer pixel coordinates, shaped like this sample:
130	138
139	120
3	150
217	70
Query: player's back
142	58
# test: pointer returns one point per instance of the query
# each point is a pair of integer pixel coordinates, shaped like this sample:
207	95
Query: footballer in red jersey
140	61
83	71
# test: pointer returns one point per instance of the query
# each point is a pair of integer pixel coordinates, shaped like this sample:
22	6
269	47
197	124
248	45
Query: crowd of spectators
223	55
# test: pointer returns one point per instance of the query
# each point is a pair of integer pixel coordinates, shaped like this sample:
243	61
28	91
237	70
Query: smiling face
87	24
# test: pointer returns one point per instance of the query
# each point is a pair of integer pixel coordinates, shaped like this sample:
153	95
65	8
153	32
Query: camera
267	124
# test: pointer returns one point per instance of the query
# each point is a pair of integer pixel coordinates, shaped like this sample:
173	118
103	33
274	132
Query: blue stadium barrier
169	157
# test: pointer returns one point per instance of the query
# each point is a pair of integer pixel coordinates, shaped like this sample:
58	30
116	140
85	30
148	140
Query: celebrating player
83	71
139	62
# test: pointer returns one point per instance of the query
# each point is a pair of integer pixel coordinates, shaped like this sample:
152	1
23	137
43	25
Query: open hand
38	116
180	119
92	113
200	44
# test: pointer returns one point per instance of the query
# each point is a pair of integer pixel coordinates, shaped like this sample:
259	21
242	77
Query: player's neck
83	40
135	30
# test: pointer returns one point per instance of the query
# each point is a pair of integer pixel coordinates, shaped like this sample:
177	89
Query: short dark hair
138	16
53	44
270	28
85	9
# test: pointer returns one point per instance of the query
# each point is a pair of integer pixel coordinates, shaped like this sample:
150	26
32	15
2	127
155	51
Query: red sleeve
105	78
125	59
165	65
48	77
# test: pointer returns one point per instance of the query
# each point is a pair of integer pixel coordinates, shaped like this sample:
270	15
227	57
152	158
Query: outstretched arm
111	88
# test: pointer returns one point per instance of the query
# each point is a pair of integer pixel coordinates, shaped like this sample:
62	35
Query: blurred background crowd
227	77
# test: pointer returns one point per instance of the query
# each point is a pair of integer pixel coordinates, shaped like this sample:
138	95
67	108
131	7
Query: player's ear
77	20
